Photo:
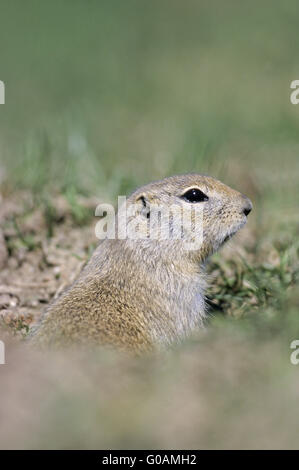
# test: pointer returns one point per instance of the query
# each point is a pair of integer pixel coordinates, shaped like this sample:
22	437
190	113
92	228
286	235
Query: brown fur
137	295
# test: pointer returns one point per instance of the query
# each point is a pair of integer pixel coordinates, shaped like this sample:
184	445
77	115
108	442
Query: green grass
128	92
103	96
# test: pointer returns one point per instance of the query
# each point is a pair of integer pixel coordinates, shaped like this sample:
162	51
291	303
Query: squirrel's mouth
232	232
227	238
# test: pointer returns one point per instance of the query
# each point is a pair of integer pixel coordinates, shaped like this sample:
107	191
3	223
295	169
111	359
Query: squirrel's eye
195	195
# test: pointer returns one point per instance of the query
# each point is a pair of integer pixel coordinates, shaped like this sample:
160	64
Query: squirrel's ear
144	206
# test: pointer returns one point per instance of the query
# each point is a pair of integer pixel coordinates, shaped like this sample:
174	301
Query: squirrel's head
193	212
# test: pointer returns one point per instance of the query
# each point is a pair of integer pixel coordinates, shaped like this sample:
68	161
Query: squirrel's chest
182	310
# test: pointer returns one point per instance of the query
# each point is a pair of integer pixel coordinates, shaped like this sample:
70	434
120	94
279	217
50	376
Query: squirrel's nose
247	208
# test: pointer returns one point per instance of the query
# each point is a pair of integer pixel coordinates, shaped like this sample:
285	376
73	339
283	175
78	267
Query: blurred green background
103	96
106	95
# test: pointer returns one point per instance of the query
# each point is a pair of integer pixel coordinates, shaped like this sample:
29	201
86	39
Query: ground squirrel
141	293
